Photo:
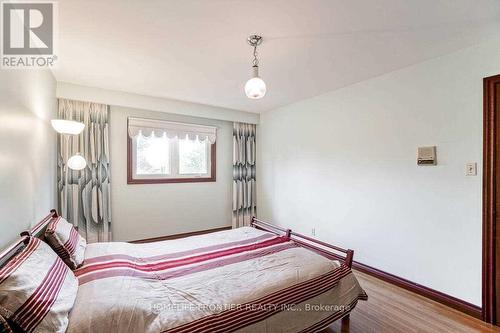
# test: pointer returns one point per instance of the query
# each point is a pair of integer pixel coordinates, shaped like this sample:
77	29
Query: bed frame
322	248
327	250
37	231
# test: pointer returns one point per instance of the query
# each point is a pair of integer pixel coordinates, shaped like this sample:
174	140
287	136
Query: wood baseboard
186	234
452	302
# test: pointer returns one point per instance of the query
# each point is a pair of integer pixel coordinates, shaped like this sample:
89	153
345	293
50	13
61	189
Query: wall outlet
471	169
313	231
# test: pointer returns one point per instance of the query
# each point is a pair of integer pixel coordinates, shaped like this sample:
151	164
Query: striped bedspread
242	280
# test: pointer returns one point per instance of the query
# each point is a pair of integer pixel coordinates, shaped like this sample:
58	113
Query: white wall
345	163
130	100
153	210
143	211
27	150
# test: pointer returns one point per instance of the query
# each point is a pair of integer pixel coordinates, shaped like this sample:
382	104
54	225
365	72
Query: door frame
491	126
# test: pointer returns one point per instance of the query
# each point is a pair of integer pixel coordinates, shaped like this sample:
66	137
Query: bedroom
368	128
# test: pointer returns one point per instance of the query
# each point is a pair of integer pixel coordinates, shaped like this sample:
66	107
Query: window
166	152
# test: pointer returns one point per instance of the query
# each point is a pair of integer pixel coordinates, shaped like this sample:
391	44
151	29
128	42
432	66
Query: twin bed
260	278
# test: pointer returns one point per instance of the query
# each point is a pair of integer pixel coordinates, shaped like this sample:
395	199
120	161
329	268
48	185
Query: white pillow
66	241
37	290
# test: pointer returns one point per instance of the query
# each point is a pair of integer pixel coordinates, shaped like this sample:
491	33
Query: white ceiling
196	50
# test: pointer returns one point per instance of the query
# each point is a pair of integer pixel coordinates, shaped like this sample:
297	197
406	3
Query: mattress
240	280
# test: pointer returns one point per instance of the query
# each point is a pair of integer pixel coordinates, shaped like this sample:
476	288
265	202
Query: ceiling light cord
255	57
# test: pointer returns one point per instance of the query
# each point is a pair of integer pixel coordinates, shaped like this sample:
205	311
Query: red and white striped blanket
242	280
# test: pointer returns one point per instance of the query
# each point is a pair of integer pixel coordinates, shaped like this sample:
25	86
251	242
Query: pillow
37	290
66	241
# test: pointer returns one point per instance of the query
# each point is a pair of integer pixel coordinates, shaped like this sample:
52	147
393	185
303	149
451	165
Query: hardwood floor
392	309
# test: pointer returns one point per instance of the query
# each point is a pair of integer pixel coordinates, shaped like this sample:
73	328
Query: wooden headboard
37	231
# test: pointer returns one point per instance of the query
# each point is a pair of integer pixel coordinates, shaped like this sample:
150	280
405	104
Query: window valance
159	128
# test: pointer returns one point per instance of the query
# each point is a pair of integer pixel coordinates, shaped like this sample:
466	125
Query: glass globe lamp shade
70	127
77	162
255	88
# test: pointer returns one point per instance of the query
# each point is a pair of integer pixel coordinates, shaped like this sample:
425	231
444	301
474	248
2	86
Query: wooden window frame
134	181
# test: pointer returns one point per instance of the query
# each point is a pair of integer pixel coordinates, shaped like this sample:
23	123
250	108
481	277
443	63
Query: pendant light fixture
255	88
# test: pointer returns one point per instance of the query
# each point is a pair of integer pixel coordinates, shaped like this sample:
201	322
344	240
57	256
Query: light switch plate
471	169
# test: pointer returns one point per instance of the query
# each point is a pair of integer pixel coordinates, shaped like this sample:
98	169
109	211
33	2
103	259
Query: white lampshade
77	162
67	126
255	88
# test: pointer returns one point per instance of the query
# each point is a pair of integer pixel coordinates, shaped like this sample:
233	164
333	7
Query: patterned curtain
85	200
244	191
